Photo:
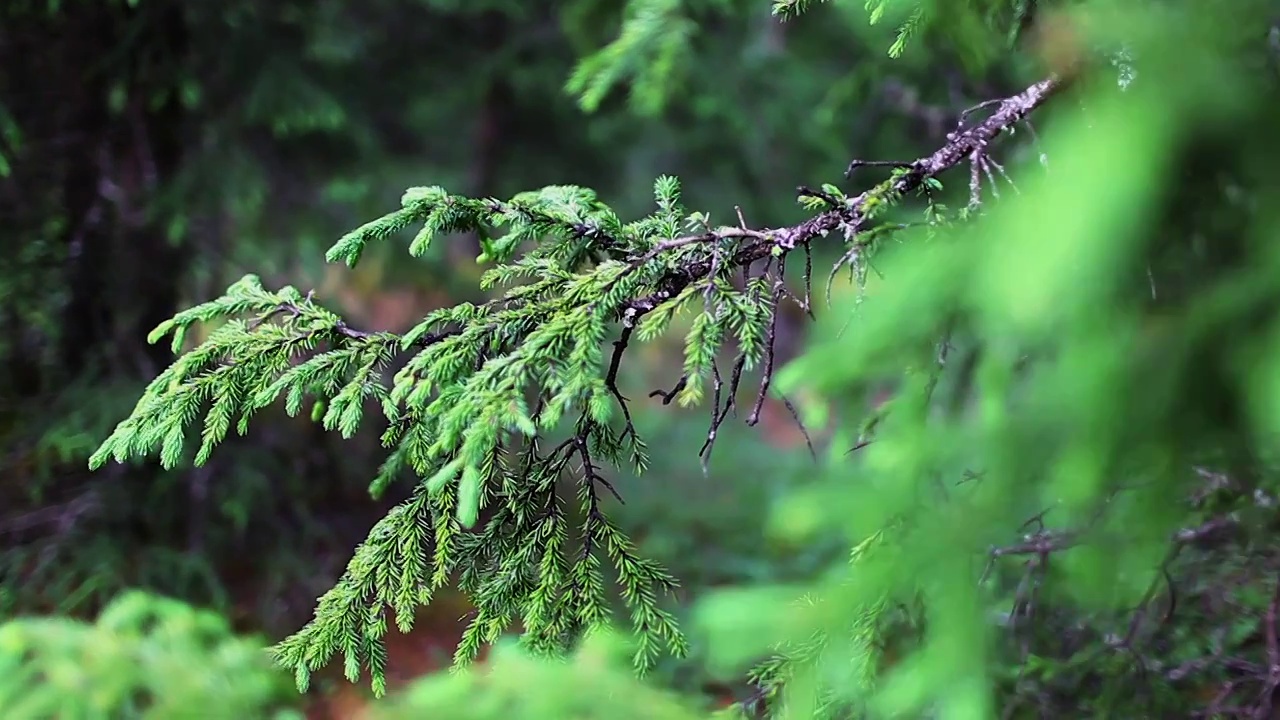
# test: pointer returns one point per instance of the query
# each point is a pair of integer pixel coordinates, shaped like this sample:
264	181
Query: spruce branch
857	211
485	509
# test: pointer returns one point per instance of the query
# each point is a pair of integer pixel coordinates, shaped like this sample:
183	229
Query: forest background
155	153
152	152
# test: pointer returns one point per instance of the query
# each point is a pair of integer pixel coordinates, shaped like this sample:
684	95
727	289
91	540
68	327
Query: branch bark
853	217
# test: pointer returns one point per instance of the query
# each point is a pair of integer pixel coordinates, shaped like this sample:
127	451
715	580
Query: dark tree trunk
88	268
98	166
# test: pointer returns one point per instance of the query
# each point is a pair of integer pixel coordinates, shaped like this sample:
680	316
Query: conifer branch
855	213
458	410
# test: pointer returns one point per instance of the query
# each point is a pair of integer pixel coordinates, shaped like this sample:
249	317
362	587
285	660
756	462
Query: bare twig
852	217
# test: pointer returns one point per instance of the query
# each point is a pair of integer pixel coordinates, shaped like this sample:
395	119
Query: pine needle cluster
493	405
493	408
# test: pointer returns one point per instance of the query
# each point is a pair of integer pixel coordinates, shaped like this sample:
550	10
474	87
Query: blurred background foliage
151	151
156	150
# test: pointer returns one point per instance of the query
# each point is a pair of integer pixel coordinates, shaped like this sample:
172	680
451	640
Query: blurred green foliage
1063	508
154	151
137	661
